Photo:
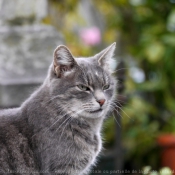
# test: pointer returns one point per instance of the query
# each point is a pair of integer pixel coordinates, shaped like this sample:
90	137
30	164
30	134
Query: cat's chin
95	111
94	114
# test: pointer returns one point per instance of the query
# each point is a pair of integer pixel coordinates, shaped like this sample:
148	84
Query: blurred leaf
166	171
154	52
170	103
169	39
146	169
151	85
171	21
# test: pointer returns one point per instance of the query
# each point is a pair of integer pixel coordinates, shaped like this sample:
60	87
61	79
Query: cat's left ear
64	63
104	58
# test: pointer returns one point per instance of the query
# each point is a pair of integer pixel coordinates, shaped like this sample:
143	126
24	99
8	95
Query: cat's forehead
92	72
89	66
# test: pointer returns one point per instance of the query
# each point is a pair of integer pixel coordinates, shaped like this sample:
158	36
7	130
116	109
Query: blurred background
141	135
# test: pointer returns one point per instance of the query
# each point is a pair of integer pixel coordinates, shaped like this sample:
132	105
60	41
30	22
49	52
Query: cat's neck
95	124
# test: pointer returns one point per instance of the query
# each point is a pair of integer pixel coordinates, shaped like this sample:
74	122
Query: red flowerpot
167	143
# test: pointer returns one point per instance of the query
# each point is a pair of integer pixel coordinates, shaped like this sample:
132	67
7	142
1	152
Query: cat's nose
101	101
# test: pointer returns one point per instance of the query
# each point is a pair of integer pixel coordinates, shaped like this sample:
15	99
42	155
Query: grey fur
57	129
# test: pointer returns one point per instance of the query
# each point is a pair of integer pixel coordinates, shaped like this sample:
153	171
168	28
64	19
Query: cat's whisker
70	118
119	100
116	120
121	95
53	98
54	122
69	121
121	110
62	123
129	106
88	104
113	108
71	112
118	113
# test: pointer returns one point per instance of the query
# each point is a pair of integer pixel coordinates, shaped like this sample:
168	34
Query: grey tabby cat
57	129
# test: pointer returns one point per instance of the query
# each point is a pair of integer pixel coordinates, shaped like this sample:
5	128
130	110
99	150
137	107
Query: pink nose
101	102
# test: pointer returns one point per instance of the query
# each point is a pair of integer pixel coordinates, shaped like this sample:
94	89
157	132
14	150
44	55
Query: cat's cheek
109	93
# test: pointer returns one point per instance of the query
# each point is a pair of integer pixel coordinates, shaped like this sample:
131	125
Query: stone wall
26	50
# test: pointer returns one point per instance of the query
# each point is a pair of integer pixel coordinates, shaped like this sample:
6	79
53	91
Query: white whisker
116	120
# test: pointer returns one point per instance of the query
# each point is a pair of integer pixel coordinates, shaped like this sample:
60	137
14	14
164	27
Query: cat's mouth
95	111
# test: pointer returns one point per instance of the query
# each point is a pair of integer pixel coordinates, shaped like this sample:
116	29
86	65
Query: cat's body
57	129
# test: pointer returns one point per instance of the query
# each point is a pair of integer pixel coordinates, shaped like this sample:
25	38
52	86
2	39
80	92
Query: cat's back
9	120
15	150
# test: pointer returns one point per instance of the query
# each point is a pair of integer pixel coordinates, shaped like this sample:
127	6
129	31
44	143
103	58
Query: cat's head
83	87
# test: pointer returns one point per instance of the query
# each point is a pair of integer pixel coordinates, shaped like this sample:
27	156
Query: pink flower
91	36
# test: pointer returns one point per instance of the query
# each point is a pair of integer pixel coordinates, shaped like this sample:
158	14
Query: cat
57	129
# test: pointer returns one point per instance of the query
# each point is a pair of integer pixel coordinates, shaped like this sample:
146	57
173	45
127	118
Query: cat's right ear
63	63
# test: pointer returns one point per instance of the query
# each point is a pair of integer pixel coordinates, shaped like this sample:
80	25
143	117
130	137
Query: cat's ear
64	63
104	58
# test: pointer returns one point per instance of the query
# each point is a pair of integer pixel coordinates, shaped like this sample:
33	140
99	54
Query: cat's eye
106	87
83	88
